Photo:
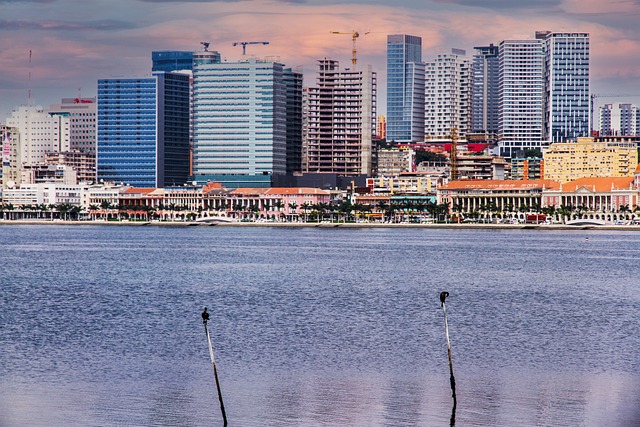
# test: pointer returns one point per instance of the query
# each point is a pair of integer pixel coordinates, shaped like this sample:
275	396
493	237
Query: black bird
205	316
443	296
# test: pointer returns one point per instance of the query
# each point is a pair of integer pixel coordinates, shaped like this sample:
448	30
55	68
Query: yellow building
586	158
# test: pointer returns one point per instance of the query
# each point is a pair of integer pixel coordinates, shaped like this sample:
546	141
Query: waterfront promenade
326	224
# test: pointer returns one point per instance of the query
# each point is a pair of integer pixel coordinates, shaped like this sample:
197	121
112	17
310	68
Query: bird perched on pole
443	296
205	316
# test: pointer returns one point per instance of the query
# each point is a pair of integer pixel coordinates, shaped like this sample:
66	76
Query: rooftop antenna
205	45
29	82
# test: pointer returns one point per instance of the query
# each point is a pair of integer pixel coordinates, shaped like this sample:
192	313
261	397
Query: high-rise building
619	120
293	83
606	119
171	60
485	73
567	105
37	132
240	122
405	88
341	120
11	160
447	95
521	95
81	114
143	130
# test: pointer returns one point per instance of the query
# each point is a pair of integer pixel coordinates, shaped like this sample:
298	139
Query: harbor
310	326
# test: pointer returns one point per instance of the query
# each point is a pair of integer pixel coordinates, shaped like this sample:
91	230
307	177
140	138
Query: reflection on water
100	326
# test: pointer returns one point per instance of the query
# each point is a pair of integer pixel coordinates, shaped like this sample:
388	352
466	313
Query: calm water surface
100	326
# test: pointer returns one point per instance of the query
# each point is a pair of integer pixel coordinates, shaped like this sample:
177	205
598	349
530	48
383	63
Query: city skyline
67	45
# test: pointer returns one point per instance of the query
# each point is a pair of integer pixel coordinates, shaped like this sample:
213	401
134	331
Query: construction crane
453	155
354	37
244	45
595	96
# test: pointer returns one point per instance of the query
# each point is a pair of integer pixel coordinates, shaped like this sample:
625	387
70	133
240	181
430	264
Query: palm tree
149	211
565	211
293	209
92	210
63	209
278	204
383	207
305	207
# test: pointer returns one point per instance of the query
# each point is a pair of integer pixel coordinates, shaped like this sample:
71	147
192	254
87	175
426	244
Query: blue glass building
143	130
171	60
567	95
485	73
405	89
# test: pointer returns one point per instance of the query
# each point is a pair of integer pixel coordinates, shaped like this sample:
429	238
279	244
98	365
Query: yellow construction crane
453	155
354	37
244	45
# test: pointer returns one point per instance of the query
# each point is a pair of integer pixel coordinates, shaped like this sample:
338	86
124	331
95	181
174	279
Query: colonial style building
595	198
500	195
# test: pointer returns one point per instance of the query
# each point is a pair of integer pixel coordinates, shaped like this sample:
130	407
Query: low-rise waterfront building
407	183
394	161
527	168
481	167
494	196
603	198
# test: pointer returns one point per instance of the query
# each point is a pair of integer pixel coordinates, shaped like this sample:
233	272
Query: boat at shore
215	219
586	222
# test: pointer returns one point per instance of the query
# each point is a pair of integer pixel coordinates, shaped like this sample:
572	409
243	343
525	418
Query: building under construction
341	120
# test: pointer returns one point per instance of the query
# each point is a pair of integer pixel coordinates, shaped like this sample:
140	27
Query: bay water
100	326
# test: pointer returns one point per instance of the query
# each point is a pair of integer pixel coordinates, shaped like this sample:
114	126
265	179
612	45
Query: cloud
213	1
504	4
106	25
71	48
27	1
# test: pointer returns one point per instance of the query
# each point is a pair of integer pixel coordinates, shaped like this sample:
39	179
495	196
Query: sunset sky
75	42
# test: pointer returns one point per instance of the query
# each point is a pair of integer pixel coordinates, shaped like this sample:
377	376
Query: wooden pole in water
443	296
215	370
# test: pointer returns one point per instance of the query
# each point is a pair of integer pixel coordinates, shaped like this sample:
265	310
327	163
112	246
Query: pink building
274	202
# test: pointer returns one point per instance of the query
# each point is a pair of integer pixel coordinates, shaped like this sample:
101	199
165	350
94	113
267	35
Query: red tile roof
500	184
601	184
139	190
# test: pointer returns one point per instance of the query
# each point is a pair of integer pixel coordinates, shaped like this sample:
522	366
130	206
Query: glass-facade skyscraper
567	95
484	90
293	83
171	60
143	130
405	88
240	122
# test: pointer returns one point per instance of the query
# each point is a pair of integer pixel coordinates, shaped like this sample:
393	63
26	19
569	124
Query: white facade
44	193
81	114
392	162
448	95
39	133
619	120
521	95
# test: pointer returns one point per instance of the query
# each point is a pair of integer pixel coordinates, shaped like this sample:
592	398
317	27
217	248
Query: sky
53	49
